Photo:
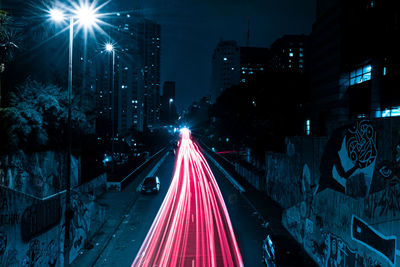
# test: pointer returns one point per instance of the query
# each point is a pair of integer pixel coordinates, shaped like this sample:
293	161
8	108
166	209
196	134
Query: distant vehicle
150	185
279	250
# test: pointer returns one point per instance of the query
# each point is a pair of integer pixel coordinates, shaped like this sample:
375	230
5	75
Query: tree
36	118
8	37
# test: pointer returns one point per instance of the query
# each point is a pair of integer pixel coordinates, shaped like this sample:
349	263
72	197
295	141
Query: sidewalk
269	211
117	206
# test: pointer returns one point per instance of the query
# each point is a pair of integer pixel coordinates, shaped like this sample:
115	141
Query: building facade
253	62
288	53
136	89
354	61
149	55
225	67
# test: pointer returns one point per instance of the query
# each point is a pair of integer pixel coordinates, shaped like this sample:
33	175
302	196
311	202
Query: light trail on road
192	227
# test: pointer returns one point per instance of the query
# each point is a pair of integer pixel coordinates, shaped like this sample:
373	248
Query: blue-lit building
354	61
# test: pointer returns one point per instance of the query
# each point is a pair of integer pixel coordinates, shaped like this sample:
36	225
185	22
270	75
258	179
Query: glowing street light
57	15
86	15
109	47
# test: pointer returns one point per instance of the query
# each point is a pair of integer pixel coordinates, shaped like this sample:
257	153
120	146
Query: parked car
150	185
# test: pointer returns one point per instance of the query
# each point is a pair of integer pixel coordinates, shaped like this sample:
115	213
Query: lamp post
171	100
86	16
110	49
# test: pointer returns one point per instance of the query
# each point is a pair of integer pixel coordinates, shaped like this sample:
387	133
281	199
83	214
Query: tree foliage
36	118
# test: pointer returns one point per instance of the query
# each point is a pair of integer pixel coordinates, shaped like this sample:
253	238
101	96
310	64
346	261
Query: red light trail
192	227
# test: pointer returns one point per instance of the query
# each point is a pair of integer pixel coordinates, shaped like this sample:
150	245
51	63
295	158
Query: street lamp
171	100
110	48
85	16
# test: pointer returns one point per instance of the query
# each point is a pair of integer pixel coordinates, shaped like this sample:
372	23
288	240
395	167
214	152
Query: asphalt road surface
192	227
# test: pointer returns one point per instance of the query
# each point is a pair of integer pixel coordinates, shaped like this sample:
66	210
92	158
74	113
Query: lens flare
192	227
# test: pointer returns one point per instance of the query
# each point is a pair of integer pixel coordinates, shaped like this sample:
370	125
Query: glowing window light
393	112
360	75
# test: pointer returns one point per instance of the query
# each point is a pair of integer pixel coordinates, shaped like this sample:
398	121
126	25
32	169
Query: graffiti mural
340	255
52	253
8	256
348	162
40	217
389	170
80	225
333	251
41	254
384	203
371	238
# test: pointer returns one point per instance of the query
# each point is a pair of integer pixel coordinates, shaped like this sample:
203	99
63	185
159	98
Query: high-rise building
148	51
288	53
354	61
136	76
225	67
253	62
120	104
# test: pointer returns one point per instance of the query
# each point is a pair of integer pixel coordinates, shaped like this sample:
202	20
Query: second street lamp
110	48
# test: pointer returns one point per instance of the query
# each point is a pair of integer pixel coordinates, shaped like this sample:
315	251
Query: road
188	223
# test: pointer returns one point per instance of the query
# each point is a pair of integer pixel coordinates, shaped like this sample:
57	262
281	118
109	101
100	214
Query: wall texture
38	174
32	229
342	193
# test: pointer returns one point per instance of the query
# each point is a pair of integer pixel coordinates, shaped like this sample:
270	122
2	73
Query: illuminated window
225	59
308	127
290	54
384	71
360	75
371	4
301	54
393	112
243	80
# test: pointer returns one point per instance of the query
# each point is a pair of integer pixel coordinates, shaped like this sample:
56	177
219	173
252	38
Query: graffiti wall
293	177
32	229
350	212
37	174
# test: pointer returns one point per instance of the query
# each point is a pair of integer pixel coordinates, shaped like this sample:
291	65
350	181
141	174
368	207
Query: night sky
191	30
